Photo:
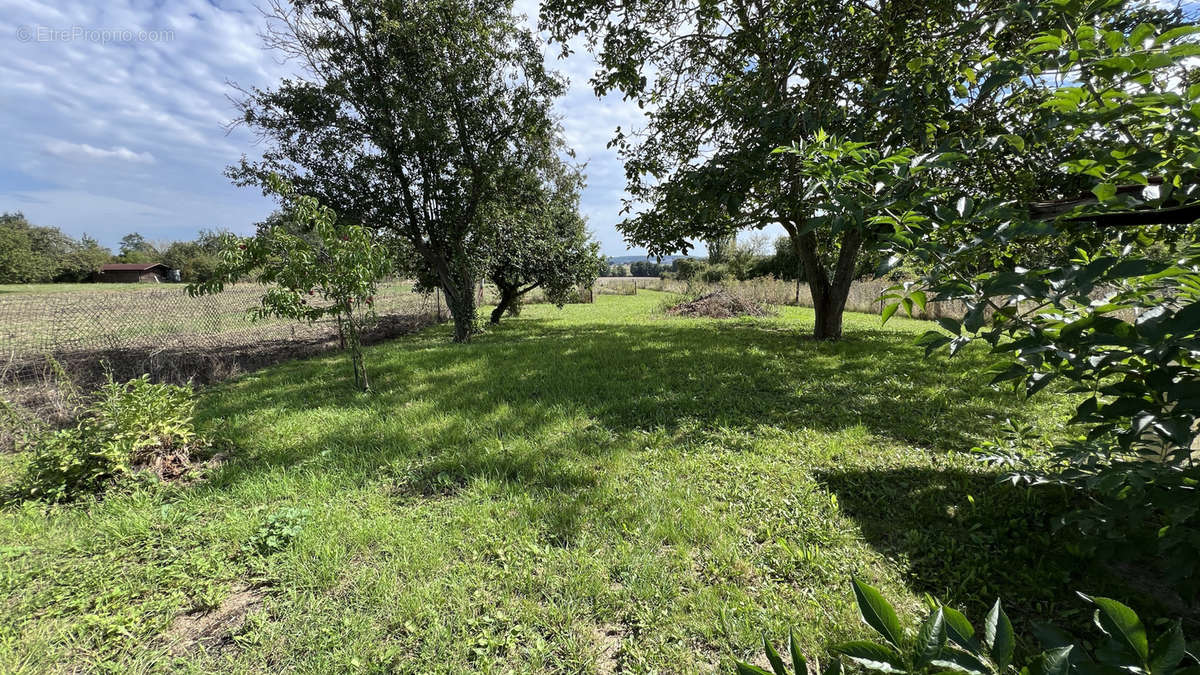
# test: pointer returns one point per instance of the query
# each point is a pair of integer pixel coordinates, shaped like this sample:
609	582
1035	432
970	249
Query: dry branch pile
719	304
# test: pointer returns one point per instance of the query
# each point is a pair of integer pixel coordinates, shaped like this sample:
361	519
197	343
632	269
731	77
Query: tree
134	248
33	254
687	269
1118	323
724	83
719	248
85	259
742	257
784	263
540	239
18	265
405	118
335	272
196	260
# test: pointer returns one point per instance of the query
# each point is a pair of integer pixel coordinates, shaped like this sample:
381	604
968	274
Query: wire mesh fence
864	296
147	330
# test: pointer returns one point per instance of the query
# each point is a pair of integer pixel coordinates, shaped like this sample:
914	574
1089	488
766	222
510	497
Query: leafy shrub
945	641
1101	295
715	274
278	531
126	425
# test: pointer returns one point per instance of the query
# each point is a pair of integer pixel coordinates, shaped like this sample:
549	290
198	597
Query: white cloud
75	150
105	135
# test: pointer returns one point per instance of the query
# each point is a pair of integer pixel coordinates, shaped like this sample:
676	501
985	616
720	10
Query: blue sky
113	117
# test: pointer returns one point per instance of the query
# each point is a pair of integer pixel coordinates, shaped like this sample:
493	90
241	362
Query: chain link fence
171	335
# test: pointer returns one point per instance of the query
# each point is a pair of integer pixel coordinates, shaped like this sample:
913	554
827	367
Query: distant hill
626	259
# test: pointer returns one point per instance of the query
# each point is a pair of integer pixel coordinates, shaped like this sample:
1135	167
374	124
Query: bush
714	274
125	427
946	642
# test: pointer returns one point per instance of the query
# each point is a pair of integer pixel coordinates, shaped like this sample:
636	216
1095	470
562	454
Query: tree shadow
518	383
968	538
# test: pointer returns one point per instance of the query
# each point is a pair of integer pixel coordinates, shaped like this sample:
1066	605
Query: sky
114	116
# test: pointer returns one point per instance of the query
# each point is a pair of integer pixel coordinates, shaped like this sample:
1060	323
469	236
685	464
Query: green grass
676	485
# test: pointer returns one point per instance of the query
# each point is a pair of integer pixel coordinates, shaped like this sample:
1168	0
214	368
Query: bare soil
212	630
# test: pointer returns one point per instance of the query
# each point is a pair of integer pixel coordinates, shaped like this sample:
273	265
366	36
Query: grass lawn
595	489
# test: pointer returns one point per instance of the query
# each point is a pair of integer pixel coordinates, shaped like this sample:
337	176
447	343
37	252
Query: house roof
130	267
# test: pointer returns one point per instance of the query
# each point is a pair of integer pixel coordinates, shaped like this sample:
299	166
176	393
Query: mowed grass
593	489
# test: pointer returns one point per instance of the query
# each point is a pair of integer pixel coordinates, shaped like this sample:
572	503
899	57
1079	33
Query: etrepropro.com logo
87	34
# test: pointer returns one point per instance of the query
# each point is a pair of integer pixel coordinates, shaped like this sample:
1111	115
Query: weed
280	528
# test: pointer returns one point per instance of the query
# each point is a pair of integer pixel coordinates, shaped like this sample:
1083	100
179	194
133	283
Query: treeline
34	254
733	261
30	254
196	260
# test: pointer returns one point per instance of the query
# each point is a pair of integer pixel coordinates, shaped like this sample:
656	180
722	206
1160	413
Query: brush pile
719	304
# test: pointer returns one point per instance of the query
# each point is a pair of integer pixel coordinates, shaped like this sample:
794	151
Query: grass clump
129	426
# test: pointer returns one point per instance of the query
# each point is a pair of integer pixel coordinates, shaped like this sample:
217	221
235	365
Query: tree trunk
828	305
507	297
510	295
458	286
463	310
829	295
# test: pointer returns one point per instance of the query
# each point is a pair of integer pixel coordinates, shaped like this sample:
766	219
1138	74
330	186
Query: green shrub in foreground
126	426
946	642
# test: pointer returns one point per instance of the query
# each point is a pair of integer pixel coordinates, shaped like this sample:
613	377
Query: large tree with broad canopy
404	118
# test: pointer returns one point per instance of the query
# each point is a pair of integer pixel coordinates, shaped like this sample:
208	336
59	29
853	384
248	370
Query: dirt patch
608	644
179	465
718	305
212	630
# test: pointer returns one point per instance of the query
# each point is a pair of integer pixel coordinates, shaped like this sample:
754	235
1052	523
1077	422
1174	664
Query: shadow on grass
733	375
967	539
519	382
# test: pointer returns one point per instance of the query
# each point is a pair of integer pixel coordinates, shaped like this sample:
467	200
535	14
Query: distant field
83	288
55	318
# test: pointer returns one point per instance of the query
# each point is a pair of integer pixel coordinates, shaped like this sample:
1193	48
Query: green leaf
958	629
878	613
1122	624
951	325
871	656
998	635
799	664
1015	141
889	310
1038	382
1168	651
961	661
1140	35
834	668
1104	191
773	657
744	668
1057	661
931	638
1175	34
